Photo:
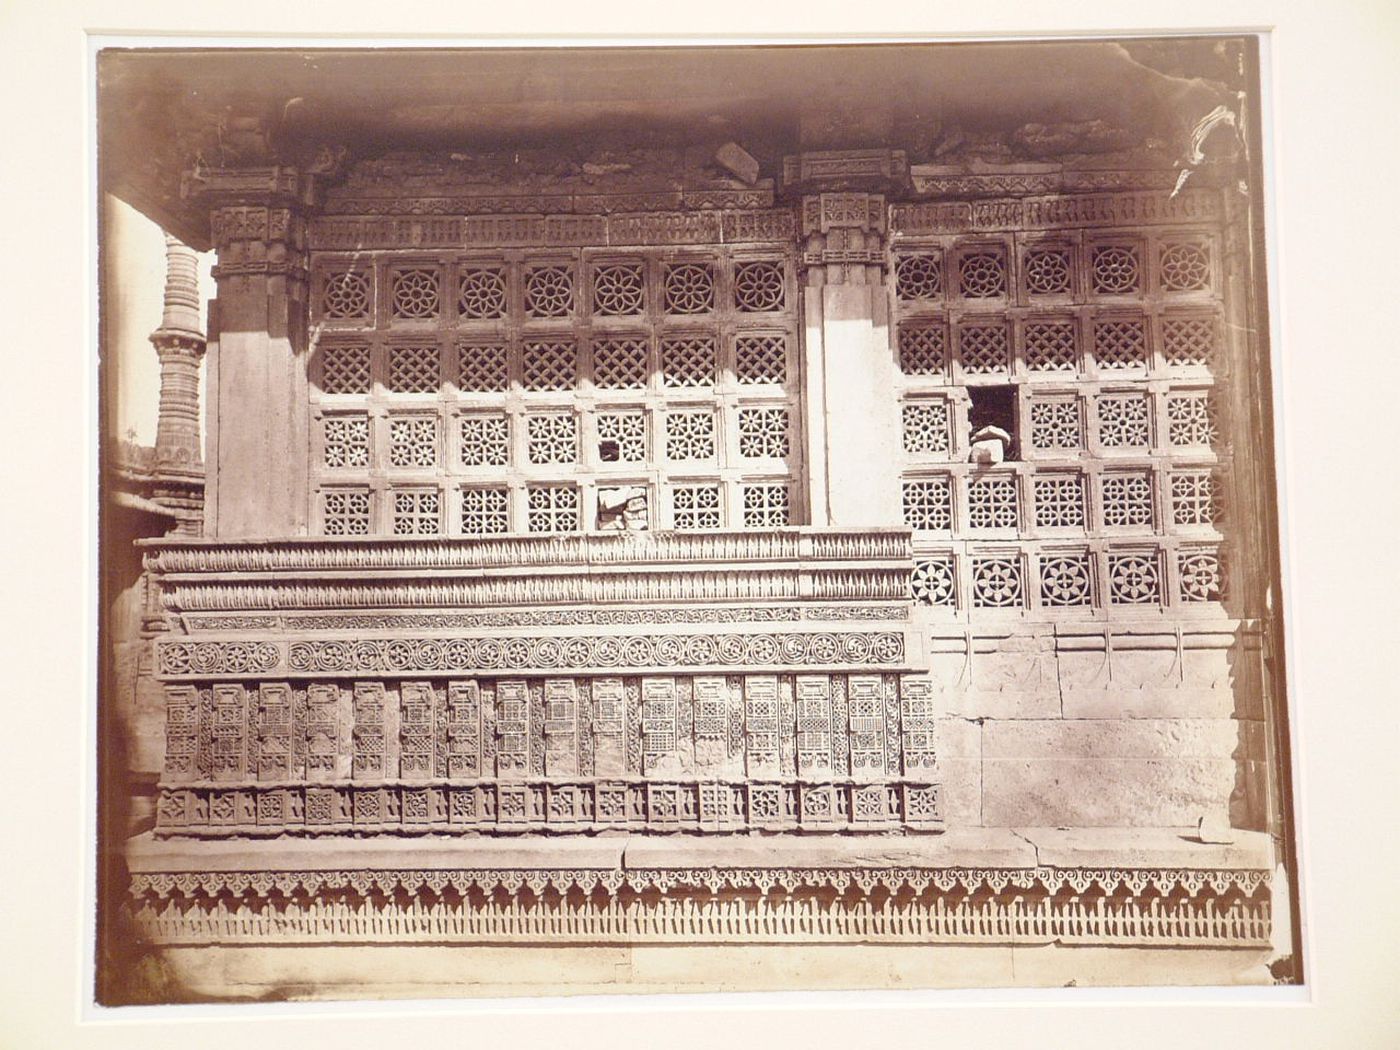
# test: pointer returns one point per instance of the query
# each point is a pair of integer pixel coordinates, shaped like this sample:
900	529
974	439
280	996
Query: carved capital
844	233
870	170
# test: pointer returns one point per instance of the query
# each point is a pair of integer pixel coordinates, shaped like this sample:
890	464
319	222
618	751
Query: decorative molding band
396	621
846	169
401	207
356	233
1055	212
939	181
284	556
581	653
502	807
1132	907
759	584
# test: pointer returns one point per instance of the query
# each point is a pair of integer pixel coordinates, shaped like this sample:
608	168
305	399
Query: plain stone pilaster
854	434
259	443
859	411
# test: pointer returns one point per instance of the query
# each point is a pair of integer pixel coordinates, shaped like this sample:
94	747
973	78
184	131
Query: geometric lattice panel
922	349
926	430
928	503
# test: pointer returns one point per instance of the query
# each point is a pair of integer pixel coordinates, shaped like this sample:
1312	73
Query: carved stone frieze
178	659
542	618
949	905
950	181
1067	211
567	230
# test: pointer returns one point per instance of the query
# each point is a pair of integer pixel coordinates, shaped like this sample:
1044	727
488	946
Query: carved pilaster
843	238
853	434
258	421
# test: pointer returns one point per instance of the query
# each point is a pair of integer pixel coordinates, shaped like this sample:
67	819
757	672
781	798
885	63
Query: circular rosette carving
399	654
549	292
235	658
1048	271
206	658
763	649
731	648
1115	269
517	652
1185	267
700	649
429	656
689	289
856	648
415	294
637	652
670	650
888	647
793	648
758	286
266	656
823	648
457	654
175	659
364	656
300	656
332	656
548	653
577	652
618	290
983	276
607	652
482	294
489	653
346	295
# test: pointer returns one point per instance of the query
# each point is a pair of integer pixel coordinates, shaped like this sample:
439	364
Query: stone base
293	918
330	972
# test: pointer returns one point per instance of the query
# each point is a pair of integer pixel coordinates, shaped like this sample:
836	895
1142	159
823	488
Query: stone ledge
1023	848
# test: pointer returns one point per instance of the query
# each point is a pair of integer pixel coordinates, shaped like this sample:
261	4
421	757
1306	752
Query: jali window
536	392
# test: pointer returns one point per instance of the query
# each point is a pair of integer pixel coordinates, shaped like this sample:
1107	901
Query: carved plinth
395	687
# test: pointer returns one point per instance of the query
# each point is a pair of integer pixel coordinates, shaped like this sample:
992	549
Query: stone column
853	430
258	419
179	343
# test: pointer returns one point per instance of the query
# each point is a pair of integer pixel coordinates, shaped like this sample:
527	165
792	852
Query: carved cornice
504	201
398	621
347	233
295	556
269	185
744	566
1066	211
1034	180
1115	906
190	885
870	170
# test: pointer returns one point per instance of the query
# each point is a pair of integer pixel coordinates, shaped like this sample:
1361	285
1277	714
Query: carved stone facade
635	531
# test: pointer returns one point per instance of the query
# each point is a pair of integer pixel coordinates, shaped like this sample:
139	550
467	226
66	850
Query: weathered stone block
1106	792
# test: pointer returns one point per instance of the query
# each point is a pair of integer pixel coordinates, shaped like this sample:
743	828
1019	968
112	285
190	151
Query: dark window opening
609	450
994	406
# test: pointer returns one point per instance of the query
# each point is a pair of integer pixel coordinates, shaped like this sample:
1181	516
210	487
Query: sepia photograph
695	527
653	519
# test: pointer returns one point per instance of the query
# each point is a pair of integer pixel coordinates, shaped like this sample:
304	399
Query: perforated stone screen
518	388
1100	351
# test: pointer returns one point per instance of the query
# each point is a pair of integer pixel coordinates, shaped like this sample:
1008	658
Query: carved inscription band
584	652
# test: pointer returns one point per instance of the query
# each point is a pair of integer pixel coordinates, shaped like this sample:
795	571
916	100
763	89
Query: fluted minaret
179	343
